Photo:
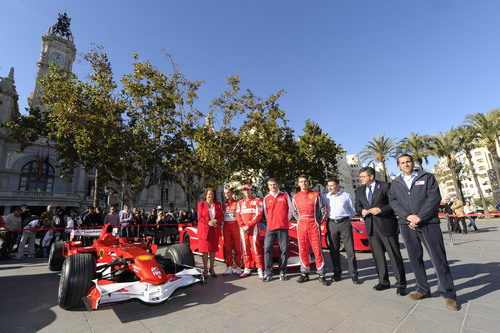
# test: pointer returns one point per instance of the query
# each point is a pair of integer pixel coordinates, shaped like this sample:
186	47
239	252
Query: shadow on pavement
21	311
485	276
190	297
10	267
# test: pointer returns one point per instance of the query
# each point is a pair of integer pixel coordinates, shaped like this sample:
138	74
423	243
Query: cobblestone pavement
28	298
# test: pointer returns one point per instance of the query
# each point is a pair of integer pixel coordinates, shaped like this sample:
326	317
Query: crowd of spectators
20	227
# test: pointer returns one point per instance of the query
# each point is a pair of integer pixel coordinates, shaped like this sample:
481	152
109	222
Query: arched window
37	176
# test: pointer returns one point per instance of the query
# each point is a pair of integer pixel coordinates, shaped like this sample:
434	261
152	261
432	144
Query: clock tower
57	47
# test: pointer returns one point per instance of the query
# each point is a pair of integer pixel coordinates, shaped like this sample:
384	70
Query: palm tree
379	149
488	132
467	140
417	146
445	145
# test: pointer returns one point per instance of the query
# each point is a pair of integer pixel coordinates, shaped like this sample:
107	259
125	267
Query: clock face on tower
57	58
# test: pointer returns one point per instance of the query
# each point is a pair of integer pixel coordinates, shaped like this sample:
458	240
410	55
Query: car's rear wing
84	233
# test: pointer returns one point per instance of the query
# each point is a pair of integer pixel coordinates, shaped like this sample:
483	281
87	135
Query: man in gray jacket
414	196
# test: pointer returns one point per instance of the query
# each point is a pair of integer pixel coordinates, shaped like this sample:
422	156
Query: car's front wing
105	291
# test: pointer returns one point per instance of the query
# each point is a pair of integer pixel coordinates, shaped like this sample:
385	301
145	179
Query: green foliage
446	145
269	146
467	137
317	154
487	128
379	149
417	146
150	131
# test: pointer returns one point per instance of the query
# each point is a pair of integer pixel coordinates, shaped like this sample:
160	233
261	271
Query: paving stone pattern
28	298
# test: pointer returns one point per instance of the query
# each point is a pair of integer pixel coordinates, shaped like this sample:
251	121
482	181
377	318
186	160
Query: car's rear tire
180	254
341	245
186	239
56	256
77	274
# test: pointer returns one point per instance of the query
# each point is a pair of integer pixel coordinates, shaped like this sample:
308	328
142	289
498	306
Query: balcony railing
27	195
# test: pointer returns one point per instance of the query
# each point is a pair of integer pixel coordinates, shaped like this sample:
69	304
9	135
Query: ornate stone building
31	177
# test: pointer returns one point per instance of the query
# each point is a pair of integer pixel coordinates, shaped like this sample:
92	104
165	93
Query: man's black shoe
336	278
355	280
303	278
401	291
323	281
380	287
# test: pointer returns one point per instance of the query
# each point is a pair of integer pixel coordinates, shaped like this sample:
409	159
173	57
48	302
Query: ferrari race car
116	269
188	235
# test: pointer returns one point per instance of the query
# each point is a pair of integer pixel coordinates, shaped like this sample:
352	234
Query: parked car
358	232
188	235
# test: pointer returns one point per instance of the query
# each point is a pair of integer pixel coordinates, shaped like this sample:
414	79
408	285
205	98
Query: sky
359	68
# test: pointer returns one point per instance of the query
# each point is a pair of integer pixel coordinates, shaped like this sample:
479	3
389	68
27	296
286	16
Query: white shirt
32	225
211	211
368	187
339	205
469	209
72	224
409	179
47	238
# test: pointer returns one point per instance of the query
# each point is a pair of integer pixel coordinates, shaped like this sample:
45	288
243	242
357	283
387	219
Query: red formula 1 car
358	233
116	269
188	235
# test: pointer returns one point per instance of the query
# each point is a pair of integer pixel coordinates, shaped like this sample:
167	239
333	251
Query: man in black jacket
449	211
372	202
415	198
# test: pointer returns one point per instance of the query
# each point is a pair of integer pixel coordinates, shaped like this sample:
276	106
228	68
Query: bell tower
58	47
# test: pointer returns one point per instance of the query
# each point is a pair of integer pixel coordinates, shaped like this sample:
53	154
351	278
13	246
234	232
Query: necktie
370	195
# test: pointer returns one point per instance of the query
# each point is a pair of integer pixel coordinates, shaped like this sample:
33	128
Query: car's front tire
77	274
180	254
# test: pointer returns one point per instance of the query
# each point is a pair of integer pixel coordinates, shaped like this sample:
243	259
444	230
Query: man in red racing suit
231	233
310	211
249	212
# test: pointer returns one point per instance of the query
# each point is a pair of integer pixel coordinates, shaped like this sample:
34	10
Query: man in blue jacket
414	196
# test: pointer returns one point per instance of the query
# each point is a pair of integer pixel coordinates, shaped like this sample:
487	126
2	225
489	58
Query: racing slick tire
77	274
56	256
327	242
341	245
186	239
180	254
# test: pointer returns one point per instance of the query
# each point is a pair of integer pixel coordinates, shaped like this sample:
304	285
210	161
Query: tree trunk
494	159
419	162
385	171
162	192
123	195
476	181
454	177
96	188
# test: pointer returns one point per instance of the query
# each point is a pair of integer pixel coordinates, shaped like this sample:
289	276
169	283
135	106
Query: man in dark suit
372	202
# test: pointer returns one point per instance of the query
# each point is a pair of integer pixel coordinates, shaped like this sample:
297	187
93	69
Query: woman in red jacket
209	218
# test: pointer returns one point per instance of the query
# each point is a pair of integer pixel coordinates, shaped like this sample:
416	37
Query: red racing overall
231	234
310	211
249	212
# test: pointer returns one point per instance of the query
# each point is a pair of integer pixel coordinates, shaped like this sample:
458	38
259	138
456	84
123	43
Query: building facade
348	168
481	163
31	177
